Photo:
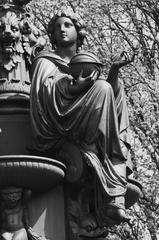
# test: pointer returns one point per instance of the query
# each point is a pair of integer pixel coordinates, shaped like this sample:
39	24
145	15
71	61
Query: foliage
114	26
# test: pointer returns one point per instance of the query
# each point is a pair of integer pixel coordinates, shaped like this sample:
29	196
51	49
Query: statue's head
76	20
11	12
17	32
11	196
17	36
20	40
9	32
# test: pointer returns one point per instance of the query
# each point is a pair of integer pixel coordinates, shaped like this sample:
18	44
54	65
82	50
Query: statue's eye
68	24
14	28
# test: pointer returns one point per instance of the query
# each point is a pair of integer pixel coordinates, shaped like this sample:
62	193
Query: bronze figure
82	119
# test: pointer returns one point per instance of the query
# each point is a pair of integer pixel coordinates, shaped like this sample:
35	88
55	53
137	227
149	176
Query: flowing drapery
87	119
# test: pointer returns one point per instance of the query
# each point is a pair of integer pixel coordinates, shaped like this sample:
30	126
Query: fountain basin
32	172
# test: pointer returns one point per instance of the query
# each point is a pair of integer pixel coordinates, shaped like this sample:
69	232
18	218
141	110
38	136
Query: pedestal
43	176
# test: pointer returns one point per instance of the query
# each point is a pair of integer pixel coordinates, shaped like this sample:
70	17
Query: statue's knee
72	157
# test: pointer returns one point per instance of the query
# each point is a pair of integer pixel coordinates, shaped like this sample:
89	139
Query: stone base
46	214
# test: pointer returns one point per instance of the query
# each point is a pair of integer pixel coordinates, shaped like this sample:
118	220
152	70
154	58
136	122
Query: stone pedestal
46	213
44	176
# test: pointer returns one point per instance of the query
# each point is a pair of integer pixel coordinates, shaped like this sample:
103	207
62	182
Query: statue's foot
88	228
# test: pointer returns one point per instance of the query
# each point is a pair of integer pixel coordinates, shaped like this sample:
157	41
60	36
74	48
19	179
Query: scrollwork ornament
19	39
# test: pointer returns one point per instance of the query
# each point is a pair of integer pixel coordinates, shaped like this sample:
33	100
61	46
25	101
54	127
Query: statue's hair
77	21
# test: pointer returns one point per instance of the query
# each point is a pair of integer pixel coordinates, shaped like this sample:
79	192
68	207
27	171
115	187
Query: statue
82	119
13	213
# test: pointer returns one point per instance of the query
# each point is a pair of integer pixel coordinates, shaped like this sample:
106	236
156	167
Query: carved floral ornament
13	4
19	42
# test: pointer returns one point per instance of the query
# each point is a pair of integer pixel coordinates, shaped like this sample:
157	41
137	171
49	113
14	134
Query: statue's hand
86	80
82	83
123	59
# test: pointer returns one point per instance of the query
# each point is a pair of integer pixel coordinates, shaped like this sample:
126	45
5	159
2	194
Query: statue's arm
77	89
113	78
42	68
119	62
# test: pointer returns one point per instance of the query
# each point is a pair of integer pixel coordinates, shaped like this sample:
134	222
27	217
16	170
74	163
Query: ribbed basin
36	173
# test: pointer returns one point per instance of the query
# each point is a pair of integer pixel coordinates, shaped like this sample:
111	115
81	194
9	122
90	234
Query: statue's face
11	196
65	33
9	31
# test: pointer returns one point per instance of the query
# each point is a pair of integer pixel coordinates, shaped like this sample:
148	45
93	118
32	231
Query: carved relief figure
90	115
12	217
18	38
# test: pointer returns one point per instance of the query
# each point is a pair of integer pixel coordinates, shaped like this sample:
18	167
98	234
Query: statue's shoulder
45	54
51	56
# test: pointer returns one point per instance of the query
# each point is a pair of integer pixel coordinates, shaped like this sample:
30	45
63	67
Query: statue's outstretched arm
118	62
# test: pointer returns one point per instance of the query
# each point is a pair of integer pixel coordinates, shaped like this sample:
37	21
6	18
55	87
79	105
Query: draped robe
93	117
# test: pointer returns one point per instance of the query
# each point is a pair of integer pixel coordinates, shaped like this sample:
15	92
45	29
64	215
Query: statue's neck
66	53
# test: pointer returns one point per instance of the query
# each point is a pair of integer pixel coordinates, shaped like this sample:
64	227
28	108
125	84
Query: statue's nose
7	30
